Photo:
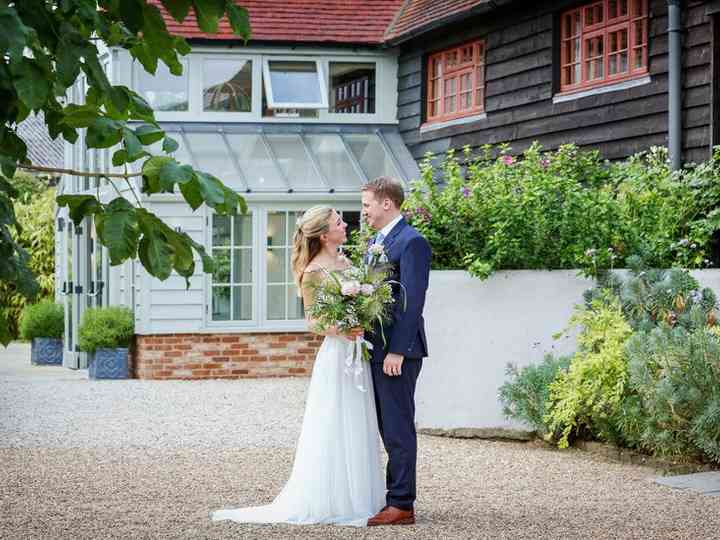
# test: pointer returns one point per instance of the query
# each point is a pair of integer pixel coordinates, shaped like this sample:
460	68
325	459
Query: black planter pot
109	364
46	352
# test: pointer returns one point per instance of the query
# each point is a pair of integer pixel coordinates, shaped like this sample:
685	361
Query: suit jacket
409	255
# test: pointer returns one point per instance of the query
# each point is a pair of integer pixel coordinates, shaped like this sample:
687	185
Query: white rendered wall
475	328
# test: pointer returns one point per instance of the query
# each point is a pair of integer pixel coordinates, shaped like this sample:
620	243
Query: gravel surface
151	459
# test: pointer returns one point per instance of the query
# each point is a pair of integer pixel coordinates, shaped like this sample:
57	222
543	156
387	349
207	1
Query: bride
337	474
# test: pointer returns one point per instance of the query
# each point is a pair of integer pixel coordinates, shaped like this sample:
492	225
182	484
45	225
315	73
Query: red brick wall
224	356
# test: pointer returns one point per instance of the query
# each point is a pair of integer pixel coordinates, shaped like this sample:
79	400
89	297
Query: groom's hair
386	187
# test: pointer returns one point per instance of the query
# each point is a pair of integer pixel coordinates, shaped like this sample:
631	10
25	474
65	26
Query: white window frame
137	71
272	104
260	321
385	84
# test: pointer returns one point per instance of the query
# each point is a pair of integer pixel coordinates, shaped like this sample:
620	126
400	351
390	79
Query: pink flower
367	289
351	288
508	160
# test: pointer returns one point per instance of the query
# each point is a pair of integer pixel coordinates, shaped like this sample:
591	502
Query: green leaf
80	206
151	173
120	157
208	13
173	173
149	134
191	193
155	254
170	145
69	53
132	144
32	84
104	133
239	20
177	8
140	108
131	13
143	54
118	230
14	33
80	116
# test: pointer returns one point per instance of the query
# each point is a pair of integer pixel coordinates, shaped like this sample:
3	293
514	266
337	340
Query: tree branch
76	173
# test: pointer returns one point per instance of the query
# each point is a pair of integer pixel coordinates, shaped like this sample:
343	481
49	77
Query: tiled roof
308	21
417	14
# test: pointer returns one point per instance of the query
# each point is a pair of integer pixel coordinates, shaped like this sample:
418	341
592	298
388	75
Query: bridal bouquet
353	298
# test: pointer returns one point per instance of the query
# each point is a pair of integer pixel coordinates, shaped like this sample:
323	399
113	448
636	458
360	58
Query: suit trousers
395	403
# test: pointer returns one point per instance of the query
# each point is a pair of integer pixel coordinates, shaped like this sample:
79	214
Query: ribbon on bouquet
354	361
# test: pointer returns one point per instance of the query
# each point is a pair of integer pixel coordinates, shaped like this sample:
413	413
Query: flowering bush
565	209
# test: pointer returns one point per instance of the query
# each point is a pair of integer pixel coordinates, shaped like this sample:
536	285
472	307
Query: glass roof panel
371	154
261	173
334	161
295	163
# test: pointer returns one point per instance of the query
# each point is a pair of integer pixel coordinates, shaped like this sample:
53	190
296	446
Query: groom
397	359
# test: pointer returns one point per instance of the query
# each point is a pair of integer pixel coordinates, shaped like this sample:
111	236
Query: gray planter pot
46	352
109	364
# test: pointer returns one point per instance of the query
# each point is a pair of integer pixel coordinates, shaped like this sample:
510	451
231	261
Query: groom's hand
393	364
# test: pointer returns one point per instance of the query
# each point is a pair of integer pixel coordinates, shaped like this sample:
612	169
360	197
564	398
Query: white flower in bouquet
350	288
367	289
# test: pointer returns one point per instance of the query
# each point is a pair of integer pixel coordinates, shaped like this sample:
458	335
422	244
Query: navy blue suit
409	254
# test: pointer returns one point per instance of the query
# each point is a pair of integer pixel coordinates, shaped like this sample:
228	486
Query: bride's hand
354	332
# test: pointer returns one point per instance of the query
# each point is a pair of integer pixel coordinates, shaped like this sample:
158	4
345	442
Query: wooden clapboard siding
522	77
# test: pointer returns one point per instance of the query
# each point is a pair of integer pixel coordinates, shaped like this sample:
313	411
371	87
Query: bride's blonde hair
306	241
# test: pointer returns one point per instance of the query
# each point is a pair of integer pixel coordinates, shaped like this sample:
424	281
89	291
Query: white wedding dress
337	474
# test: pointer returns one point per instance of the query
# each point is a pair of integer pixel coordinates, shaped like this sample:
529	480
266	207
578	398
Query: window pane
295	82
294	302
294	162
371	155
211	156
164	91
276	229
242	303
259	170
227	85
334	161
242	266
352	88
243	230
221	230
276	265
221	273
276	302
221	303
292	220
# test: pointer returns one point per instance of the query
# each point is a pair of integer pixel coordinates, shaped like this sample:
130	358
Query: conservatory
287	129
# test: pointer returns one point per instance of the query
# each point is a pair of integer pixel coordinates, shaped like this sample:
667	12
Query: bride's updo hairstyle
306	242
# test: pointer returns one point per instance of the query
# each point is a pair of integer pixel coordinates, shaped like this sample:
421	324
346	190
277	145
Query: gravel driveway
151	459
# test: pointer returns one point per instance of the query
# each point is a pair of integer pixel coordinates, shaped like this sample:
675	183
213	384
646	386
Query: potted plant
43	324
105	333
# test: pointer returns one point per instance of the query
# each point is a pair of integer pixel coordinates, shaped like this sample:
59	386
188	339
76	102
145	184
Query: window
164	91
456	82
227	85
283	302
352	88
232	283
603	42
294	84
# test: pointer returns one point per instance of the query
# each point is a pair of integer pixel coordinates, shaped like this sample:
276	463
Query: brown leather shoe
390	515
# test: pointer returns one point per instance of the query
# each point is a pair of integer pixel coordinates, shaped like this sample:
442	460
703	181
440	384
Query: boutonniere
376	254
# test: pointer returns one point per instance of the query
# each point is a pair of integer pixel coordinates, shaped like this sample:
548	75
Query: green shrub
676	373
525	395
106	328
587	396
44	319
36	216
565	209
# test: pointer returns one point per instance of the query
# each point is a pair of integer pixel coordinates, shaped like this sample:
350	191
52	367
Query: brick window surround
456	82
603	42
